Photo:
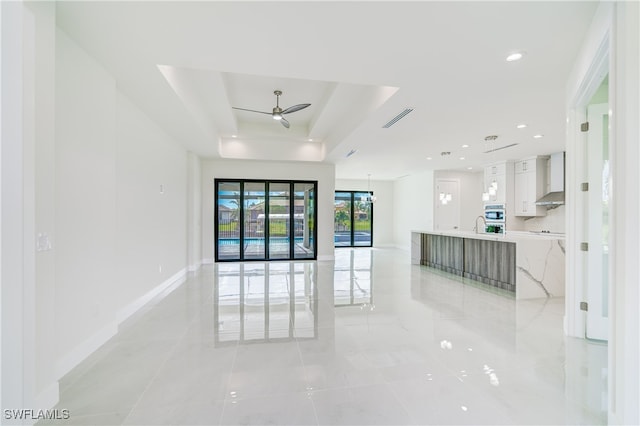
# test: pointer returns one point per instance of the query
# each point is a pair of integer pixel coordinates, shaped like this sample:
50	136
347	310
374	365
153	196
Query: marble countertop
510	236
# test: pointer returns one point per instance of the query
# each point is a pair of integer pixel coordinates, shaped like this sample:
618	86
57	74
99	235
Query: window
265	220
353	219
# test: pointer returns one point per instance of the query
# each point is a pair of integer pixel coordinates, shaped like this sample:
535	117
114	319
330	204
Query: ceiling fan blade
284	122
295	108
252	110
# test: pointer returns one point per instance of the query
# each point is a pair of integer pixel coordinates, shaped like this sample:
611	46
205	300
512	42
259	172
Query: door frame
576	173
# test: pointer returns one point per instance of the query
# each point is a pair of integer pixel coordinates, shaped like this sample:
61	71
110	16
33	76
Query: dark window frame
352	219
241	221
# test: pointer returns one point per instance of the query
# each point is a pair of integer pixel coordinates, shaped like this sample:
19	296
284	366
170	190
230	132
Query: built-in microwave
494	213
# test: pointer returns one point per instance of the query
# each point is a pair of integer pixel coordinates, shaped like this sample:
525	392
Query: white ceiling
358	63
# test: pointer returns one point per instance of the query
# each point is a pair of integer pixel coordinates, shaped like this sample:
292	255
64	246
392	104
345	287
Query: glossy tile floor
368	340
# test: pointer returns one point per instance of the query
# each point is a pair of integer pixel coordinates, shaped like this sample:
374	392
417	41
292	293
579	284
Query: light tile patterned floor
406	345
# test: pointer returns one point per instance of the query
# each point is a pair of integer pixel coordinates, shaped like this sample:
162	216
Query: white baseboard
84	349
207	261
167	286
90	345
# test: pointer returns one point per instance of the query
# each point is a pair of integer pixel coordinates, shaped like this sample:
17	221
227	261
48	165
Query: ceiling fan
277	113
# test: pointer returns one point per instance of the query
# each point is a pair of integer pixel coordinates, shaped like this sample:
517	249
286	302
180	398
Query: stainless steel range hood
555	197
552	199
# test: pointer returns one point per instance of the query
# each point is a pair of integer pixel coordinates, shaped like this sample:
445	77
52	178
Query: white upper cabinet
530	184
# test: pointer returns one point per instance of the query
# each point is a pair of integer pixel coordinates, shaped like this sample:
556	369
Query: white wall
383	221
85	196
120	239
247	169
471	188
412	206
151	208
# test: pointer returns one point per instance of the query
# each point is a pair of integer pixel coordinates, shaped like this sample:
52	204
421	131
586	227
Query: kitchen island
530	265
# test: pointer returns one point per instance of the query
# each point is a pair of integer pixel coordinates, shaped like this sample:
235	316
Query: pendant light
369	198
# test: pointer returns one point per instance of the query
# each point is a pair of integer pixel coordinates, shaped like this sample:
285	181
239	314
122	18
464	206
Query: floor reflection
301	343
265	302
353	280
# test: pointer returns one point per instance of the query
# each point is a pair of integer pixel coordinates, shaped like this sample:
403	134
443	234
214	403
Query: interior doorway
447	205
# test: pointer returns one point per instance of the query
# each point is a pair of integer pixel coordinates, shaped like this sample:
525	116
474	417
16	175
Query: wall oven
495	218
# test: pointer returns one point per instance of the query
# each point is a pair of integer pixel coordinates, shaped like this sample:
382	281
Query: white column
624	351
16	209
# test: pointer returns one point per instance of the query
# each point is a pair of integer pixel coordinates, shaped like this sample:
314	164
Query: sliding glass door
265	220
353	219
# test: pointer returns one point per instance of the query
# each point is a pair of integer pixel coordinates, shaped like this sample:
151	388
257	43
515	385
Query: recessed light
428	158
310	139
462	158
521	126
465	146
516	56
469	168
537	136
234	136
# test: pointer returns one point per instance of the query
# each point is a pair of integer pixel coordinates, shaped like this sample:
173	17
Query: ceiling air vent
397	118
500	147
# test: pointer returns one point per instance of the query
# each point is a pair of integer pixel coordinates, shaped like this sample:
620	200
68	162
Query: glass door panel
278	221
598	221
228	226
304	225
254	217
342	219
353	219
361	220
265	220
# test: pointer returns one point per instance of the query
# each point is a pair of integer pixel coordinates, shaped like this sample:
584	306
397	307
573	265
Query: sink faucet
475	228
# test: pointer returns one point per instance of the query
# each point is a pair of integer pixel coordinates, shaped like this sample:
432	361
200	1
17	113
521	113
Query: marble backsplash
554	221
